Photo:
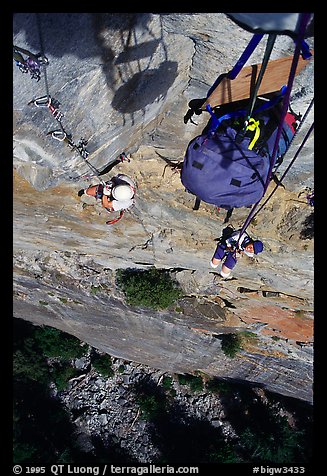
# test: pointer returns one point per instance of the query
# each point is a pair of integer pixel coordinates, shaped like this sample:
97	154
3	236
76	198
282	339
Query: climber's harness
99	191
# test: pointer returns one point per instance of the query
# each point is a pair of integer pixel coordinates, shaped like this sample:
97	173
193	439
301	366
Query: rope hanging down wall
36	64
286	101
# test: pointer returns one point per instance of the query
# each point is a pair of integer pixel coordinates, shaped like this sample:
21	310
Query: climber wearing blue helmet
227	248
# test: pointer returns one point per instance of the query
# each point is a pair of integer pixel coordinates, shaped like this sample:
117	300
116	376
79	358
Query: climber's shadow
144	88
111	166
138	52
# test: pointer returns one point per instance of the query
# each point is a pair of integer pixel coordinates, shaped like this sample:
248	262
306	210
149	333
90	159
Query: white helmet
122	192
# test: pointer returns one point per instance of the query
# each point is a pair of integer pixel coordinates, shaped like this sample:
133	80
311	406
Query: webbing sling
240	63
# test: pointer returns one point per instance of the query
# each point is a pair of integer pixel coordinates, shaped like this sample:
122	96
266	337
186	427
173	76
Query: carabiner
58	135
43	101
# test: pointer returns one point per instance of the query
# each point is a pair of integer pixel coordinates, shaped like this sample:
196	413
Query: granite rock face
124	82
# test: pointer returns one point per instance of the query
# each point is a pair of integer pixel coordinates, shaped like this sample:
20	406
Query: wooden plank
276	76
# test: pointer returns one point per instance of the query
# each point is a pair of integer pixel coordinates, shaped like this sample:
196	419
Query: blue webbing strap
305	50
245	55
216	121
240	63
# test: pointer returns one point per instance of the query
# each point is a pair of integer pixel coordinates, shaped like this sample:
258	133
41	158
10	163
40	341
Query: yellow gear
253	126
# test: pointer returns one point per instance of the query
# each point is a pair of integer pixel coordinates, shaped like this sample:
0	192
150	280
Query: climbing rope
298	46
38	22
268	50
302	120
47	101
286	171
80	147
114	220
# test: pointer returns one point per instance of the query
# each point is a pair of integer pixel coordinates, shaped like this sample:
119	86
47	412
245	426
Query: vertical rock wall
124	82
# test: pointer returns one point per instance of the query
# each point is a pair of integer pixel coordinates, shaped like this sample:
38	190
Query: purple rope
287	169
305	19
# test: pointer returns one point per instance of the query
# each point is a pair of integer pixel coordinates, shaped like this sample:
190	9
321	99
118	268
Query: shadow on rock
179	437
73	33
137	52
307	232
267	429
144	88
